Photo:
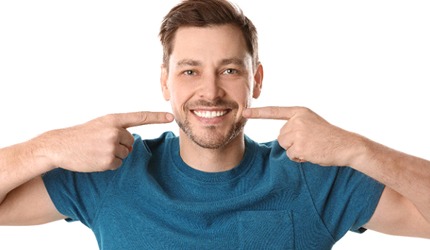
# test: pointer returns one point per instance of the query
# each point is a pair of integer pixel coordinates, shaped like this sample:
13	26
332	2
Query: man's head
210	69
205	13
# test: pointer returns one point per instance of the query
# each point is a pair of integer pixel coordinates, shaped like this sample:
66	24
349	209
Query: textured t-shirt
156	201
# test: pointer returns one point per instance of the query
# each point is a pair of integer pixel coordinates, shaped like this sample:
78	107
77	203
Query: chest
259	219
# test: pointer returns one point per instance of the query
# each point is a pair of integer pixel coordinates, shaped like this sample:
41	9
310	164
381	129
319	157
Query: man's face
209	81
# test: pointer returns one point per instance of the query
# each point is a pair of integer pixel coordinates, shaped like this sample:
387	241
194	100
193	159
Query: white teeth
209	114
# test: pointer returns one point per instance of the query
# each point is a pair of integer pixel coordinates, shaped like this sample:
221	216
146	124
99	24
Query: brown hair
204	13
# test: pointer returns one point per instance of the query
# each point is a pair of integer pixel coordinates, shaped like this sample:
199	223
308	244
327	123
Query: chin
211	138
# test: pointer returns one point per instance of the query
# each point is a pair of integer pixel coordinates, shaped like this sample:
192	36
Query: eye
230	71
189	72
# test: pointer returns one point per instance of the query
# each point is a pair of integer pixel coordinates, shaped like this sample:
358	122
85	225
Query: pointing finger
126	120
280	113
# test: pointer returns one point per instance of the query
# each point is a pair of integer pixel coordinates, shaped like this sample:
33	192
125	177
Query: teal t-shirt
156	201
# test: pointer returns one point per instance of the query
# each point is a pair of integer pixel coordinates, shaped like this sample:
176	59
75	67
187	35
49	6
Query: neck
212	160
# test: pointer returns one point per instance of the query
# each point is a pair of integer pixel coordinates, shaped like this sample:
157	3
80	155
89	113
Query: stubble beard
212	139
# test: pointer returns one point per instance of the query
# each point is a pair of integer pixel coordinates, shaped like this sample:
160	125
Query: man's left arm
404	207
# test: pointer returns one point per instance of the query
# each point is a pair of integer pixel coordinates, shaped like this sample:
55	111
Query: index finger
132	119
270	112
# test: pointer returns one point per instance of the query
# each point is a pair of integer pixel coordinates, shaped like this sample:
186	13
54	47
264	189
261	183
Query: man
212	186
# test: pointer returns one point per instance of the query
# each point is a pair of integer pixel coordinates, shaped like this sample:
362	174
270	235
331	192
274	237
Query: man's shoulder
167	135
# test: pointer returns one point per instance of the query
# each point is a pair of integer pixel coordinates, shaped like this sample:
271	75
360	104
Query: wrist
41	153
360	152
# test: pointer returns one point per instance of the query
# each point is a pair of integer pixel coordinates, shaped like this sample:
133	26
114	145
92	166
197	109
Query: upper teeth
209	114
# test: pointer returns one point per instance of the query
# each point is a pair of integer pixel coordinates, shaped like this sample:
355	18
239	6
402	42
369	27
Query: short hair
206	13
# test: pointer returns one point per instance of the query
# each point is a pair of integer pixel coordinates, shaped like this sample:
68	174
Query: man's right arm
23	197
98	145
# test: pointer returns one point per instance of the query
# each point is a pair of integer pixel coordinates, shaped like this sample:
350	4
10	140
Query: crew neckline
213	177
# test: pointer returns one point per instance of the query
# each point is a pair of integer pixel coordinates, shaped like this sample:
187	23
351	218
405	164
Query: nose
210	88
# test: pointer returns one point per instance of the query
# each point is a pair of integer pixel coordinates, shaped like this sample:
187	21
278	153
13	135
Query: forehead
209	44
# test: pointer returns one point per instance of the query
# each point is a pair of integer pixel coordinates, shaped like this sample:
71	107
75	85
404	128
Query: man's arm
29	204
404	208
396	215
98	145
23	197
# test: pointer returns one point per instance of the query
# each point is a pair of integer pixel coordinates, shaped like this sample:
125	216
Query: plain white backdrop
362	65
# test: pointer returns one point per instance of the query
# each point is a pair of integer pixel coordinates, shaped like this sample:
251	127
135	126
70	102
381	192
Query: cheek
178	98
175	102
242	96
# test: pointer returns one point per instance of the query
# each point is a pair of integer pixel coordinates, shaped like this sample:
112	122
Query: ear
258	81
163	81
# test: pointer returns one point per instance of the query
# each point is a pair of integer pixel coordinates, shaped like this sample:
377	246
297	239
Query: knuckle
109	118
283	143
307	110
303	110
143	116
123	152
290	154
298	149
112	136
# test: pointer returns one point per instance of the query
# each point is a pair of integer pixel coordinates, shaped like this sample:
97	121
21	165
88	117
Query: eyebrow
188	62
191	62
234	60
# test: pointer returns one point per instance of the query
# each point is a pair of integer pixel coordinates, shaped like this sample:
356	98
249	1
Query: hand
308	137
98	145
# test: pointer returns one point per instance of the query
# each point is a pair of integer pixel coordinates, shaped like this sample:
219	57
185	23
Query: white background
363	65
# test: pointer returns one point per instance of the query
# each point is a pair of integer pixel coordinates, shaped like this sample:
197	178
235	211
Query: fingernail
169	117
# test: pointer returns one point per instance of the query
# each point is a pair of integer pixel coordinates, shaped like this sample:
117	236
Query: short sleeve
344	198
77	195
80	195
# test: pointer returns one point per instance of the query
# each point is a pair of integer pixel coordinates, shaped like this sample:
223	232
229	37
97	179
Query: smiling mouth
210	113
